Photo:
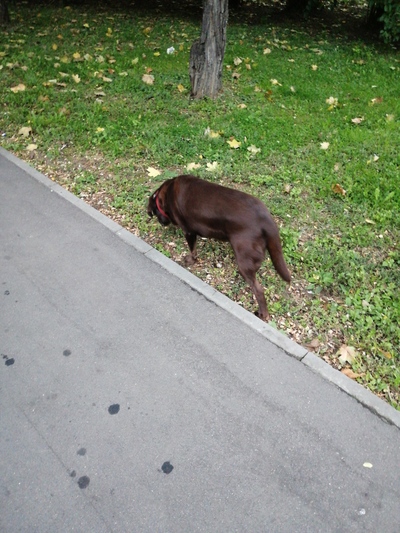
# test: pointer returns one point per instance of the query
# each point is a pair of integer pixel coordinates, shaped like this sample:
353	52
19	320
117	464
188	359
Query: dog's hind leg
249	259
191	239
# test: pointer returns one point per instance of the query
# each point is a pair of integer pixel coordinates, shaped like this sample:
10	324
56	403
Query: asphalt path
134	398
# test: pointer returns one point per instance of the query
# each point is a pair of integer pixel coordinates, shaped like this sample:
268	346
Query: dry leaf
313	345
212	166
368	221
31	147
324	145
357	120
192	166
181	88
153	172
106	80
266	51
287	188
237	61
378	100
348	354
242	106
148	78
25	131
76	78
314	67
233	143
349	373
275	82
18	88
210	133
253	149
338	189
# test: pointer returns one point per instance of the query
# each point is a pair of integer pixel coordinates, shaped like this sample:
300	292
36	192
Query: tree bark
4	15
207	53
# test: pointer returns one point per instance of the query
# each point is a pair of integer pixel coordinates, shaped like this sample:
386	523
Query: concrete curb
317	365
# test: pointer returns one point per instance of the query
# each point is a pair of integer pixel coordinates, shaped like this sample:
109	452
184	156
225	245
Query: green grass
98	127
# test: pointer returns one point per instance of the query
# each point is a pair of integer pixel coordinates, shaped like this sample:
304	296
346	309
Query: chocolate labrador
202	208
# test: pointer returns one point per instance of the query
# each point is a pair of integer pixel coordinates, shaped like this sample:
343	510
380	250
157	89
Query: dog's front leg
191	239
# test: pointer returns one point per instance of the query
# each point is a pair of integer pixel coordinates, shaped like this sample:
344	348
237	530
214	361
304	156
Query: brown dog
202	208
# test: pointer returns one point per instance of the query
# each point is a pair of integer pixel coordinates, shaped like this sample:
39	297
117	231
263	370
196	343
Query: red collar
164	214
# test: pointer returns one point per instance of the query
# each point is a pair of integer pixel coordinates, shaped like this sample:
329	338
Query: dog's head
156	205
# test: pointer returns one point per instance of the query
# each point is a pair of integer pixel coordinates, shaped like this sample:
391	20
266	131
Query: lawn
308	121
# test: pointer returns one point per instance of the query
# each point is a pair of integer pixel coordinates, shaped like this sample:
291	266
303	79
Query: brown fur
202	208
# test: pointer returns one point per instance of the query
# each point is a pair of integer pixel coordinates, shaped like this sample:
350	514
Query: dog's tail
274	248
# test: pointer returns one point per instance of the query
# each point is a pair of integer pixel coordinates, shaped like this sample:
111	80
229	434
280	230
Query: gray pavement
135	398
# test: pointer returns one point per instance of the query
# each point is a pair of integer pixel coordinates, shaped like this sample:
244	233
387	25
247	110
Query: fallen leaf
390	118
237	61
212	134
357	120
368	221
324	145
76	78
313	345
253	149
338	189
25	131
106	80
99	130
153	172
148	78
367	465
181	88
76	56
378	100
314	67
287	188
31	147
349	373
135	61
275	82
348	354
212	166
18	88
266	51
235	75
192	166
233	143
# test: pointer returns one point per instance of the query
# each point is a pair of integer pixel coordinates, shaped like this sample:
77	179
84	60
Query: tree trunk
207	53
4	16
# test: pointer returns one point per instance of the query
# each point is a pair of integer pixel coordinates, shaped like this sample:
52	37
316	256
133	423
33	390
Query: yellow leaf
314	67
192	166
153	172
253	150
242	106
54	47
18	88
65	59
338	189
99	130
25	131
156	54
76	55
147	30
148	78
181	88
212	166
134	61
76	78
233	143
86	25
275	82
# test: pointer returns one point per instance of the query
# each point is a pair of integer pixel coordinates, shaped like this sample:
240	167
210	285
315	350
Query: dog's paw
188	260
